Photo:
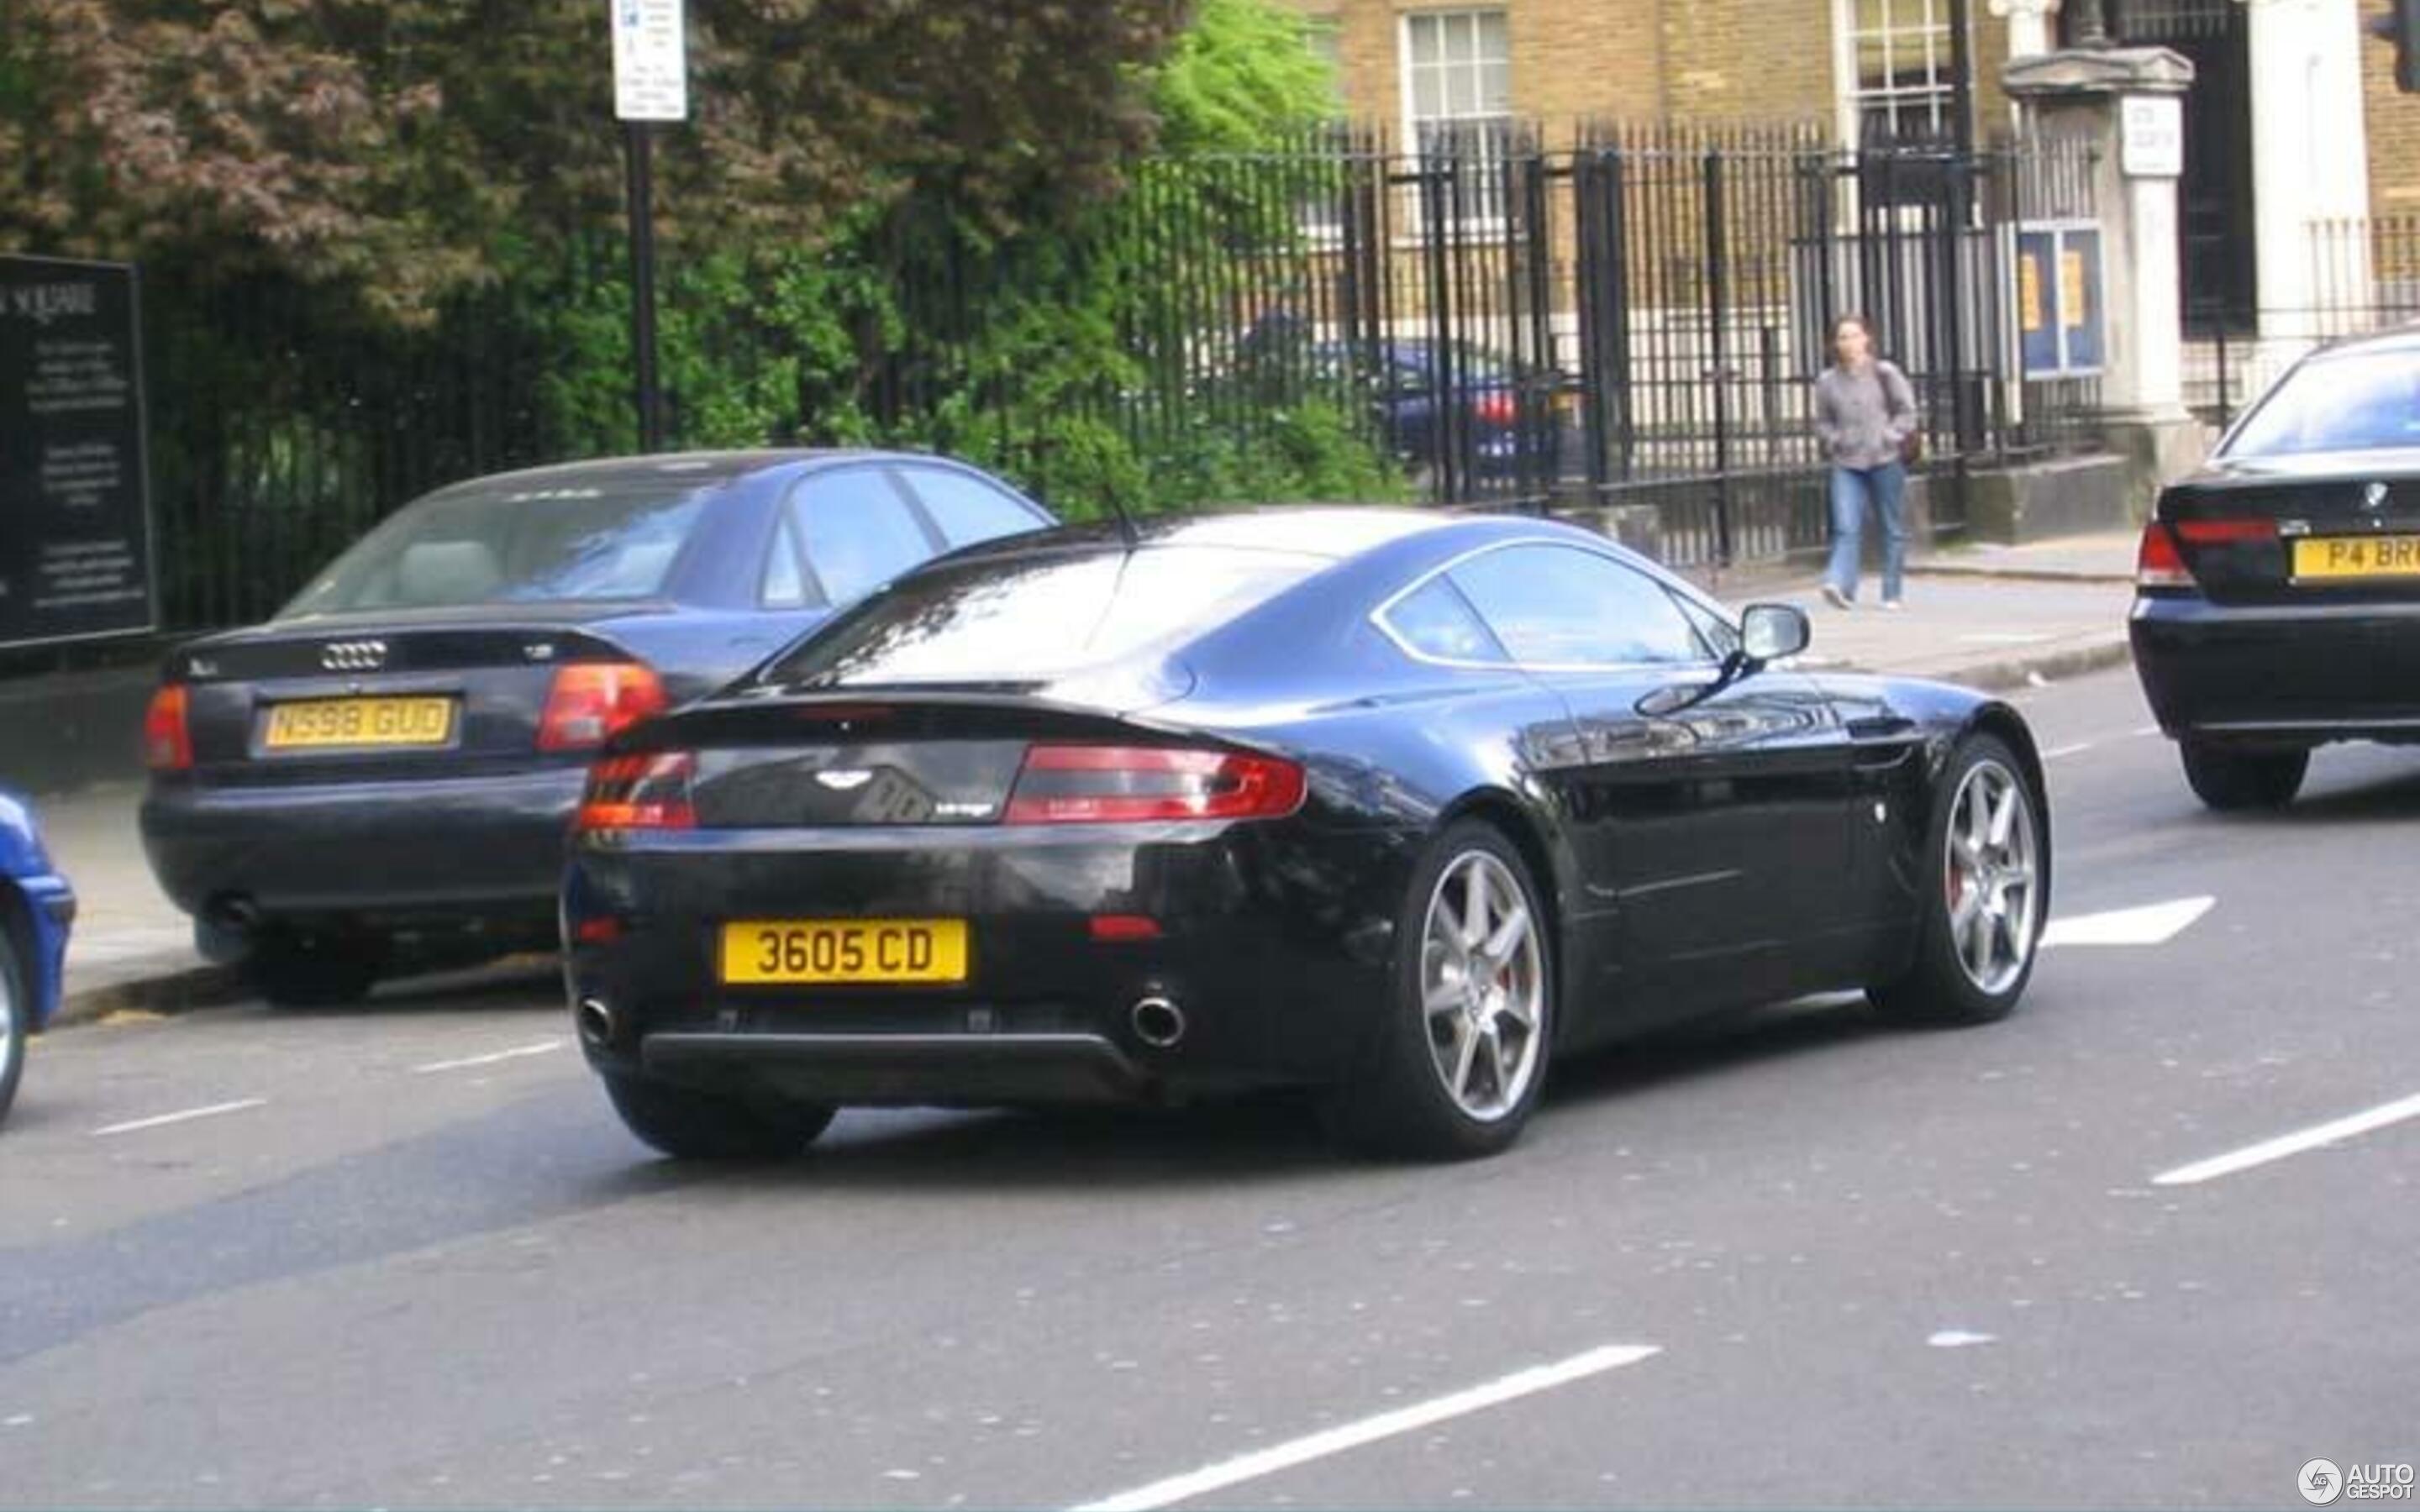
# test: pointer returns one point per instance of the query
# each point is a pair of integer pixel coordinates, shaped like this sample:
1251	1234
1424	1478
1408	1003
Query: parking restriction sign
650	60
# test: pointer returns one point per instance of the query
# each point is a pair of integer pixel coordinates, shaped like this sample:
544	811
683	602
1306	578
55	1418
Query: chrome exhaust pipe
1157	1023
597	1022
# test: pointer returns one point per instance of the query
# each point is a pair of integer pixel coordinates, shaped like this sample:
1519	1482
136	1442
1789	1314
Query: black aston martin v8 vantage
1395	806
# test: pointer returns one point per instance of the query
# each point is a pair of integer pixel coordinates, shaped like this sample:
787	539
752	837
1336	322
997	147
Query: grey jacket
1863	416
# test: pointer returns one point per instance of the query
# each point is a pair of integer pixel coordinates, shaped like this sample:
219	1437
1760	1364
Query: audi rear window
1033	618
606	540
2356	402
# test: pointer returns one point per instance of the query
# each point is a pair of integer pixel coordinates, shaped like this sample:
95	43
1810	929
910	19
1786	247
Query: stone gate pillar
2128	103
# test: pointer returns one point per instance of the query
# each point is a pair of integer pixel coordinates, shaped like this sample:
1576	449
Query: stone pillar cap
2105	70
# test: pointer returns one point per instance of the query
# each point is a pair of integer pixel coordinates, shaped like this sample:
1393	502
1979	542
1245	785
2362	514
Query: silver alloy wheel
1992	874
1483	986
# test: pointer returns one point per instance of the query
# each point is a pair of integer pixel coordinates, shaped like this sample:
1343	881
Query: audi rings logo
353	656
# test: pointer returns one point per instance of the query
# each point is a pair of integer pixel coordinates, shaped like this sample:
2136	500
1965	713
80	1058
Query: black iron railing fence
1632	316
2363	277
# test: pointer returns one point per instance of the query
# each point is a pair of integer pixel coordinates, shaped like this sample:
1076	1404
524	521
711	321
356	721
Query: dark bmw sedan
2279	601
1395	806
383	774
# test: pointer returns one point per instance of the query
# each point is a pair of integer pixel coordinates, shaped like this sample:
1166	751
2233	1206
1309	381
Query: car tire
16	1019
1985	899
1458	1061
294	968
689	1124
2234	780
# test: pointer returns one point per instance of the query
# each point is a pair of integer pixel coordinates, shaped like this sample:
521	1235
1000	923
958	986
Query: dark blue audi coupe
1396	806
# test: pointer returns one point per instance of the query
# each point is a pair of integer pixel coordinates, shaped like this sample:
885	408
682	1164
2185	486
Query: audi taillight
1497	408
644	792
1112	785
591	702
168	732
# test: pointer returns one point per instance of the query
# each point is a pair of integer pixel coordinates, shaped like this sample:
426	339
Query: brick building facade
2296	120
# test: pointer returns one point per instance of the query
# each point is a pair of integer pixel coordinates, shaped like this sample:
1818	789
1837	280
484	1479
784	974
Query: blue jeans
1886	489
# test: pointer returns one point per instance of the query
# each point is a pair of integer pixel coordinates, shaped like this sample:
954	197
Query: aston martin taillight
643	791
1114	785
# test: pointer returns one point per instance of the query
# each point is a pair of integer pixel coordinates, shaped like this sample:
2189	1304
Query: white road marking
1368	1431
2063	752
137	1125
1960	1338
2006	638
2157	924
518	1052
2291	1144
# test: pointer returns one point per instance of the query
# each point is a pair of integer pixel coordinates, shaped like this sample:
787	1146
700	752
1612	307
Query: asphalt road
404	1256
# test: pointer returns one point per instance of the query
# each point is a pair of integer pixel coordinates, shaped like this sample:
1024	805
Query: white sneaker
1838	599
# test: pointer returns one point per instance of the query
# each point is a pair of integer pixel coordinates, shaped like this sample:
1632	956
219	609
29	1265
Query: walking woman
1865	413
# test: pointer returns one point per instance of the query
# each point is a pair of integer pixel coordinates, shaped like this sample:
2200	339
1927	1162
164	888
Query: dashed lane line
2155	924
497	1057
188	1116
2335	1131
1368	1431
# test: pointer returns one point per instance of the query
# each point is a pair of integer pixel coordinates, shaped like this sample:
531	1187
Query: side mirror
1771	632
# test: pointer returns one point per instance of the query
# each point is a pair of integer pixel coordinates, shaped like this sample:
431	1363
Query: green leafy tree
410	147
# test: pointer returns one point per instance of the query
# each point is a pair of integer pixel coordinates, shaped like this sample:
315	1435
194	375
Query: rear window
1035	618
2354	403
599	541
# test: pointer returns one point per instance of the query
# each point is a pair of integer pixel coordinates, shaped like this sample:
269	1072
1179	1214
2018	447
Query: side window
968	509
782	587
1558	606
1436	621
859	533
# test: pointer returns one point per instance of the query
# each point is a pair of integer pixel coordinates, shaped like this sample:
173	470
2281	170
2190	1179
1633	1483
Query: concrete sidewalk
1991	617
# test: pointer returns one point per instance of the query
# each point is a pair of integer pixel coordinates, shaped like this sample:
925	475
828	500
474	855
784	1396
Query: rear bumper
2286	674
486	848
914	1070
1274	946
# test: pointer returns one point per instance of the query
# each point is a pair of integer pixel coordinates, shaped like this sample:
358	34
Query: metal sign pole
639	152
650	84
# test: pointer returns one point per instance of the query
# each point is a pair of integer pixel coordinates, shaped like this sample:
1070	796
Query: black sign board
75	493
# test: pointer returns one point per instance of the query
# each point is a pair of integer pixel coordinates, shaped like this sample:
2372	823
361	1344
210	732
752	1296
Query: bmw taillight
643	791
2161	562
168	731
1114	785
591	702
